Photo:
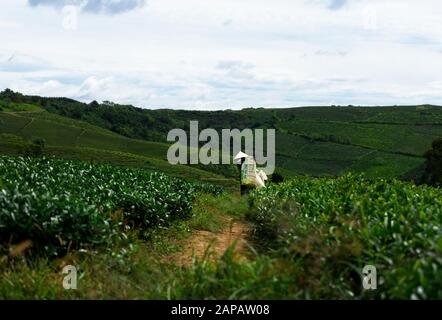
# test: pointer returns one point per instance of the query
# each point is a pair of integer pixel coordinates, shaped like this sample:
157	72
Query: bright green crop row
331	228
61	205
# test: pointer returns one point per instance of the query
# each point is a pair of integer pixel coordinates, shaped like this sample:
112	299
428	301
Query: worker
250	177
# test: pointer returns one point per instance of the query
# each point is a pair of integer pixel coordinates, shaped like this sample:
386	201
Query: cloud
112	7
229	55
8	24
327	53
17	62
336	4
227	22
93	86
93	6
236	69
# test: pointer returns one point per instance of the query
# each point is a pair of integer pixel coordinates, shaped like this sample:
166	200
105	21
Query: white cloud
236	69
6	24
93	87
336	4
93	6
228	53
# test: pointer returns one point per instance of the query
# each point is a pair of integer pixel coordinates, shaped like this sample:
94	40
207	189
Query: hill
386	141
72	139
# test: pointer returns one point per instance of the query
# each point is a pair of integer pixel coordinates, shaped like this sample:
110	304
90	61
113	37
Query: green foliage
379	141
71	139
62	205
39	142
8	106
34	148
10	143
341	225
260	278
433	165
141	270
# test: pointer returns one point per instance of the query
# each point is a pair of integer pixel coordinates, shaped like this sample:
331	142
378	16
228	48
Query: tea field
64	205
327	230
308	238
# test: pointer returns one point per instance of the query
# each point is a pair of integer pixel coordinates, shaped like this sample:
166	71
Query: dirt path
26	125
215	244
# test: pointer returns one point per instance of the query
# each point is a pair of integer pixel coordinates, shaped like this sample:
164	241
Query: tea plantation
327	230
64	205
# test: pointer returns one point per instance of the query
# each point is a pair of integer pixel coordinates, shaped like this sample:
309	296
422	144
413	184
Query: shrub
61	205
334	227
433	164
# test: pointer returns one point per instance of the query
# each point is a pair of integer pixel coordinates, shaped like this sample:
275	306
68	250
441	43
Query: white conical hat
239	156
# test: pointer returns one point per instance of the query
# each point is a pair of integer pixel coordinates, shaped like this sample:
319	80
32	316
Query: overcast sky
218	54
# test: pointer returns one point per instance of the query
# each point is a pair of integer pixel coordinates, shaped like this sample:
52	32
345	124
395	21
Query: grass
202	221
19	107
141	271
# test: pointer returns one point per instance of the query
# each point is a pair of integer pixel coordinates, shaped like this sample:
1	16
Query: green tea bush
332	228
61	205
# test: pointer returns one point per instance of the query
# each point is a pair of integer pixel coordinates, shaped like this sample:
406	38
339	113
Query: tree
433	165
10	96
94	104
34	148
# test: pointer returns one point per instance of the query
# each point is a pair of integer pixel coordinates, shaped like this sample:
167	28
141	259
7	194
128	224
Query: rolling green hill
384	141
72	139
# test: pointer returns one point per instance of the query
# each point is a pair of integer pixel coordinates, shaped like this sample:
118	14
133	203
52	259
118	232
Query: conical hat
239	156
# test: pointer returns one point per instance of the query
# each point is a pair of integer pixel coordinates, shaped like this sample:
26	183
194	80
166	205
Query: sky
224	54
